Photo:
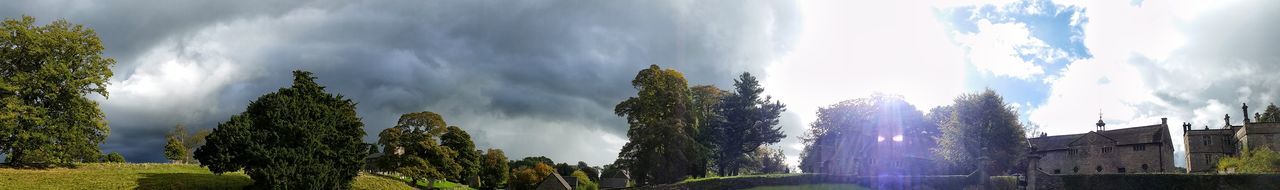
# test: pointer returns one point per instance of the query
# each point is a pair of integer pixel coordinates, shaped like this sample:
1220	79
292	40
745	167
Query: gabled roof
1132	135
554	182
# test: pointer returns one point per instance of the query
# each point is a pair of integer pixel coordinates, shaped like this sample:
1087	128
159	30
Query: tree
662	146
765	160
529	177
565	169
181	146
593	173
706	99
750	121
299	137
584	181
413	150
46	72
1271	114
981	125
174	151
494	170
468	157
114	157
1261	160
846	138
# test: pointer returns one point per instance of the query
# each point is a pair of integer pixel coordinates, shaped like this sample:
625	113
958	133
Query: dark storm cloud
530	77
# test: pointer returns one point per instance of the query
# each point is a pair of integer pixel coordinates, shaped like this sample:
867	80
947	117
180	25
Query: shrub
1261	160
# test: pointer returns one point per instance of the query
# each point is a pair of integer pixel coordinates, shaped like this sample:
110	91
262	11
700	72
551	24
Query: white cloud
998	49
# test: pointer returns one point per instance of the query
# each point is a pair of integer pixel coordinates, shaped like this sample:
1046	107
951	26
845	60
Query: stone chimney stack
1164	121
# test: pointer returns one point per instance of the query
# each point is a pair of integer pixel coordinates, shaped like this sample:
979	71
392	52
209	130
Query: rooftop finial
1102	126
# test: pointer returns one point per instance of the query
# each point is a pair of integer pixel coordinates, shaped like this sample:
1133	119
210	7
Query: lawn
147	176
812	187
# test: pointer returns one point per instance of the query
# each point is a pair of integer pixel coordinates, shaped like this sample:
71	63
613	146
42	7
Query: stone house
1143	149
1207	145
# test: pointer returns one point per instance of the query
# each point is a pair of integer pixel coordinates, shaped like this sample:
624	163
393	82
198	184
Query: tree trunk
431	183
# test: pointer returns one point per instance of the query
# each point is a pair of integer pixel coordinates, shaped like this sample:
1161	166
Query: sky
540	77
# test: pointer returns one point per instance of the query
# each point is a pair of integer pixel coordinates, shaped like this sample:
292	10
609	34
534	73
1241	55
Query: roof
554	181
1132	135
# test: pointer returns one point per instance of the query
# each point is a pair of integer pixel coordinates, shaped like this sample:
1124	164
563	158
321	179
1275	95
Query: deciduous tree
494	171
46	72
981	125
845	136
468	158
299	137
662	147
412	148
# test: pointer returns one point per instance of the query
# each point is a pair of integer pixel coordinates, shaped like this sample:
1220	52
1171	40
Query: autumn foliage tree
46	72
299	137
662	146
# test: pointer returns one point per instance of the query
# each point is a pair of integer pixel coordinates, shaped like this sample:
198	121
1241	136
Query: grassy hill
148	176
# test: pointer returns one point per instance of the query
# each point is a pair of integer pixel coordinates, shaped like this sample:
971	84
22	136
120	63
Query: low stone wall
874	182
1160	181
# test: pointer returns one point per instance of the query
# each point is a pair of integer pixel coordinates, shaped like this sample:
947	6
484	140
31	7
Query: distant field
148	176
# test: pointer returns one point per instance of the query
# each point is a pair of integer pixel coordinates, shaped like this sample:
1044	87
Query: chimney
1164	121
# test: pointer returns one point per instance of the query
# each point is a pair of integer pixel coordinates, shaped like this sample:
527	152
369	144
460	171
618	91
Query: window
1144	167
1075	169
1106	149
1099	168
1206	139
1057	171
1139	147
1120	170
1208	159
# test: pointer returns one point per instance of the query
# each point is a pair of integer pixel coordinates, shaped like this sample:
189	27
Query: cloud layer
530	77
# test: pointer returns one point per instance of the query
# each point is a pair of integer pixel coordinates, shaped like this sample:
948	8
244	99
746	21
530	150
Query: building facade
1143	149
1207	145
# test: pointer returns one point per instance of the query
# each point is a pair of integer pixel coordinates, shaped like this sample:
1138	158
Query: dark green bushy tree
750	120
299	137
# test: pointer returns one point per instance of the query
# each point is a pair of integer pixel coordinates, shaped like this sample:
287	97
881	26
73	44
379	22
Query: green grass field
147	176
812	187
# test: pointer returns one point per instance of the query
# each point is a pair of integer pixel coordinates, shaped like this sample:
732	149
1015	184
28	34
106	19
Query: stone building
1144	149
1207	145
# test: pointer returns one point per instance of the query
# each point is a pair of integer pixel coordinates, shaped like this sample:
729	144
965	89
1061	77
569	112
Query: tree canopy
852	136
750	120
493	174
46	72
662	146
468	158
413	148
299	137
981	125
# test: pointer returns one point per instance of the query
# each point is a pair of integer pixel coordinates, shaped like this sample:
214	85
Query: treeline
884	134
678	132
